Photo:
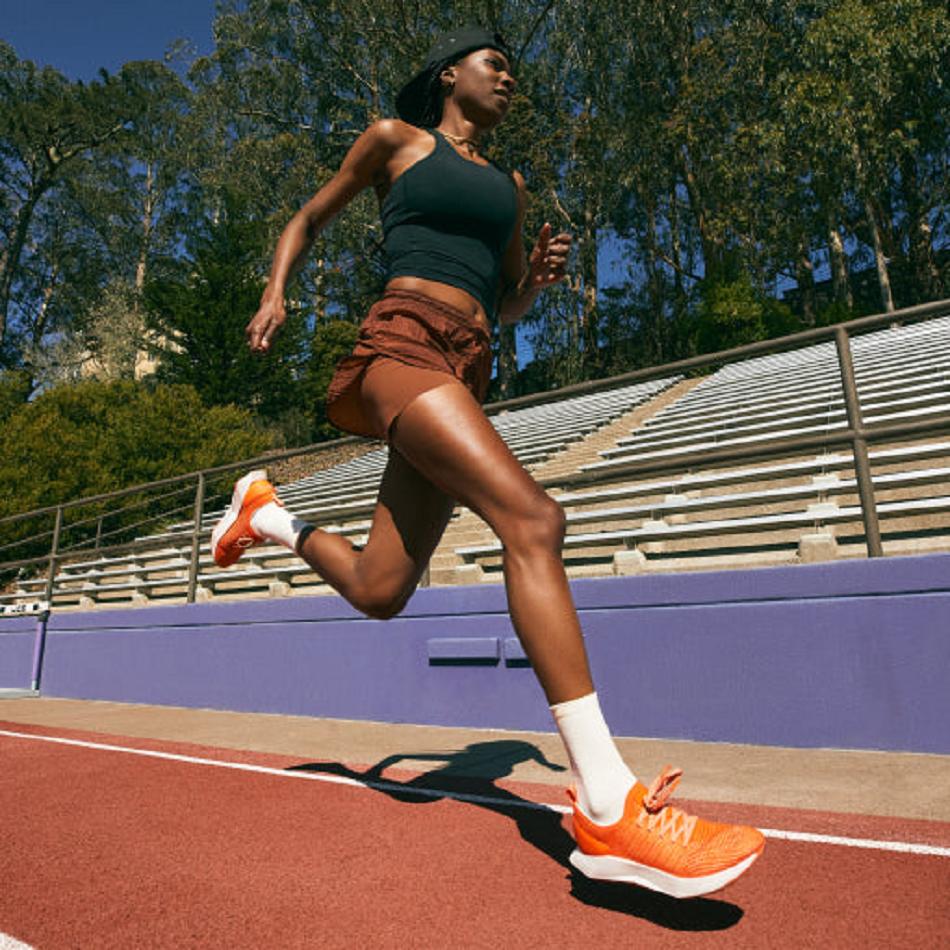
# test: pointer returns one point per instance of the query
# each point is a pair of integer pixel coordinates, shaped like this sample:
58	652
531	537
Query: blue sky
81	36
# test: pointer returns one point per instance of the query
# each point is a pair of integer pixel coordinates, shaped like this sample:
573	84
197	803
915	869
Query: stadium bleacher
802	509
793	509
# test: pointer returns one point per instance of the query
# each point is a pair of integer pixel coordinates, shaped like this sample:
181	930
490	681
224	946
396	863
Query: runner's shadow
470	775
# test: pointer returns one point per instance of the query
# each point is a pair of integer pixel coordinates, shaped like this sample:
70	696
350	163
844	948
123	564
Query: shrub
96	437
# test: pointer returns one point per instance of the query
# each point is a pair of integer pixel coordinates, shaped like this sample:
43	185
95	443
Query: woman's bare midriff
446	293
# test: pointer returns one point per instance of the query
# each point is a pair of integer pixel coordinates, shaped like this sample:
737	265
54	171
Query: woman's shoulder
394	132
381	143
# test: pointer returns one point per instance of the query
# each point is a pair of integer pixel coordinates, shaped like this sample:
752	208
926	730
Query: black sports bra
448	219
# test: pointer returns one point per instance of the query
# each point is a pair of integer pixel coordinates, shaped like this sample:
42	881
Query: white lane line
11	943
905	847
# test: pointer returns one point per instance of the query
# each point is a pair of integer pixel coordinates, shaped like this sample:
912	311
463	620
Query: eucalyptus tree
870	99
48	125
574	75
129	197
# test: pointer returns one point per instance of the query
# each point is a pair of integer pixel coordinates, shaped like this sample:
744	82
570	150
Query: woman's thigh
389	385
445	435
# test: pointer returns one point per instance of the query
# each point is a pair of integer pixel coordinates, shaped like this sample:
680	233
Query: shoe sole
610	868
231	515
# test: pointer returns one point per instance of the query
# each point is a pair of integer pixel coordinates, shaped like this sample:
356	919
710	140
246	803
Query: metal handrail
164	516
856	433
141	503
190	476
779	344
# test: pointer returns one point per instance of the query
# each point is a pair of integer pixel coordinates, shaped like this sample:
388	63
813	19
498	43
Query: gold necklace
459	140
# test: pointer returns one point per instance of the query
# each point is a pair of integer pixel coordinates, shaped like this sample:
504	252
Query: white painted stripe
906	847
9	943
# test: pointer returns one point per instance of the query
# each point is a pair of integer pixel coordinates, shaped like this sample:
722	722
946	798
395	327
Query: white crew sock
601	776
275	523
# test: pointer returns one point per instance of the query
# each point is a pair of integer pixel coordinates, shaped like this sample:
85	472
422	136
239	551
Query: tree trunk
656	353
589	324
12	256
147	215
805	275
713	263
839	268
677	249
39	324
926	276
677	334
880	260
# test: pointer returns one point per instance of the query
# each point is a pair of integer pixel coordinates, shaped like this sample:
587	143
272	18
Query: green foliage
834	312
97	437
734	313
332	340
15	389
50	131
198	316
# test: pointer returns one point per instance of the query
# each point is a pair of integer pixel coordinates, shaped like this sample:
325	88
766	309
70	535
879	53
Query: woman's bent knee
380	601
541	526
385	610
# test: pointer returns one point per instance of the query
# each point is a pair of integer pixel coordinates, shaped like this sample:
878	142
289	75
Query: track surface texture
102	847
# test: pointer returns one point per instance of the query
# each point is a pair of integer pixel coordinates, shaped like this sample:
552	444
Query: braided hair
435	92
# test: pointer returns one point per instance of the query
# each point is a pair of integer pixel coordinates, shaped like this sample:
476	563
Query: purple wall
17	642
847	655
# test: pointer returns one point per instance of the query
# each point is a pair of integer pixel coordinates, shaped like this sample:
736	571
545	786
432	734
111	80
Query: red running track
103	848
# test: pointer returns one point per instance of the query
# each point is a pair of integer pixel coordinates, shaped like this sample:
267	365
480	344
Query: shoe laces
661	817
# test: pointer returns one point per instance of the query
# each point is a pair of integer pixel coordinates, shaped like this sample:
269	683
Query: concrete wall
17	642
848	655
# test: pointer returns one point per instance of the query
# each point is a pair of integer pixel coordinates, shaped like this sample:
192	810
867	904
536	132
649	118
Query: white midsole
237	500
610	868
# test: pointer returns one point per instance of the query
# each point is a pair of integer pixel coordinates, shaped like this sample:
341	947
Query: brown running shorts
407	344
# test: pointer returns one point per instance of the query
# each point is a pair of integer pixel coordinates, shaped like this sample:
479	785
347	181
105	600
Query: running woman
452	223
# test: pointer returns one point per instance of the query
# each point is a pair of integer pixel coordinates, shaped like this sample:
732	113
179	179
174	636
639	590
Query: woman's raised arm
520	282
364	165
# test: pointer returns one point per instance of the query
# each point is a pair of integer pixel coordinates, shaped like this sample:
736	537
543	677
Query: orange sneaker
662	848
233	534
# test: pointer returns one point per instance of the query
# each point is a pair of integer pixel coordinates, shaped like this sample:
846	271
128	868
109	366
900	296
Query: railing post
859	445
39	646
196	538
54	550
